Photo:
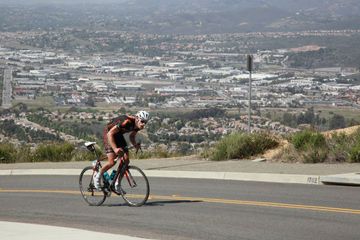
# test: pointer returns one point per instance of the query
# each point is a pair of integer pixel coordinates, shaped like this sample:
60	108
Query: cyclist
115	142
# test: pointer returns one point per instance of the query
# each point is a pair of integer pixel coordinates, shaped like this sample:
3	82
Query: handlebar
131	147
91	147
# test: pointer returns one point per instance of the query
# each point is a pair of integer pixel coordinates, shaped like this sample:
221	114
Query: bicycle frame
136	190
120	172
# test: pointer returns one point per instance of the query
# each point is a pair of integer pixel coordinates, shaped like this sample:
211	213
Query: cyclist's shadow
165	202
155	203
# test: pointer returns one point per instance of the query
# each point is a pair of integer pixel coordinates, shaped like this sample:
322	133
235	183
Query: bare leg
117	183
109	164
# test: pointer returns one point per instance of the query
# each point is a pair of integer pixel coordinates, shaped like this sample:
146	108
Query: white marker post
249	68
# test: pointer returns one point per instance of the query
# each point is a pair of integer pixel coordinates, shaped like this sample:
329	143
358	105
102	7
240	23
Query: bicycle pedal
112	189
107	192
121	191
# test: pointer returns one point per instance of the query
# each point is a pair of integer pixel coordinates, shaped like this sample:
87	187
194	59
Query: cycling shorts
120	142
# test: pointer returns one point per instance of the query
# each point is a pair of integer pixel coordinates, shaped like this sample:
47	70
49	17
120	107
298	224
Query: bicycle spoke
90	194
135	186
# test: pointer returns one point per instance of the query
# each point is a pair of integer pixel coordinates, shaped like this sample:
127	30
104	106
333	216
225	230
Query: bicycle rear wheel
135	187
88	191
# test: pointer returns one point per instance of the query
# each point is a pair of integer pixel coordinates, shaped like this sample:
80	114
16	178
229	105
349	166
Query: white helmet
143	115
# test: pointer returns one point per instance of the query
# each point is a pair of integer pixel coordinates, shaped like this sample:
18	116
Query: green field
324	112
347	112
44	102
276	114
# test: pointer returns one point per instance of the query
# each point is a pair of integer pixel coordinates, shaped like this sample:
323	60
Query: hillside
347	131
273	153
182	17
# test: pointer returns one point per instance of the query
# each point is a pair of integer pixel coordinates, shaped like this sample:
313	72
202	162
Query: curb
236	176
18	231
343	179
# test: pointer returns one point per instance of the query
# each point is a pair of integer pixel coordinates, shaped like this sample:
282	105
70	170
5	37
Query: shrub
353	143
242	145
345	147
311	146
299	139
24	154
7	153
355	137
315	155
54	152
83	156
339	145
288	154
355	154
308	139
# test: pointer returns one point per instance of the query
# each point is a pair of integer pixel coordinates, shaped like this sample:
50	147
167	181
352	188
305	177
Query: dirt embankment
347	131
270	154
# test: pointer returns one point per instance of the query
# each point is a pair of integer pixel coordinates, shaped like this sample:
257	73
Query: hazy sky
59	1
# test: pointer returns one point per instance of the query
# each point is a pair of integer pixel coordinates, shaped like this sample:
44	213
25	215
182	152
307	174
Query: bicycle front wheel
88	191
135	187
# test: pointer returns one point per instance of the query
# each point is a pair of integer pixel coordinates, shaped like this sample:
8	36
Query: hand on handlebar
118	151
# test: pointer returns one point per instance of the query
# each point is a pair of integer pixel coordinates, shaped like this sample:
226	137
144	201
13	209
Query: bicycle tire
135	187
88	191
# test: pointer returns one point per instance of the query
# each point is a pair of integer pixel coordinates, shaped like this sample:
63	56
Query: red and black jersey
125	124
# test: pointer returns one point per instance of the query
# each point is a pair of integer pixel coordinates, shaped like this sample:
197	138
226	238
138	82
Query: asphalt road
191	209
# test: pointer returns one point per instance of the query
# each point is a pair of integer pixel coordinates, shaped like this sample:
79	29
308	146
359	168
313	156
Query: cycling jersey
125	124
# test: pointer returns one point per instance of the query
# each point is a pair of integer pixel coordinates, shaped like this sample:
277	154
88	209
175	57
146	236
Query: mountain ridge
186	16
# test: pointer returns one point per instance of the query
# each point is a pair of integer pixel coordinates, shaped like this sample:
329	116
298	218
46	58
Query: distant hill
185	16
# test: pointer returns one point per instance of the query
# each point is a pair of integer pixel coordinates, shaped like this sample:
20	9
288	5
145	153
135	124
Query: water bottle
94	166
106	176
112	175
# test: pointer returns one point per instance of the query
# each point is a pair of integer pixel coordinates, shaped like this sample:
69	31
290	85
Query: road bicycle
134	185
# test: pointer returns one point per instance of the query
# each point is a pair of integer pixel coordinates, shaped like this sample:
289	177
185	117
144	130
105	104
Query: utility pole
249	68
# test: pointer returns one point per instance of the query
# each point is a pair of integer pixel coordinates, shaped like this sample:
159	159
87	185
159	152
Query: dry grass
274	153
285	152
347	131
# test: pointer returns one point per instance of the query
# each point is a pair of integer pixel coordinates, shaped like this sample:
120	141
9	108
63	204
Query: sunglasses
143	121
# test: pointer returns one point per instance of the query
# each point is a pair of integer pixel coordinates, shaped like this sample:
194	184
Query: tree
353	122
337	121
268	115
90	102
288	119
309	116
